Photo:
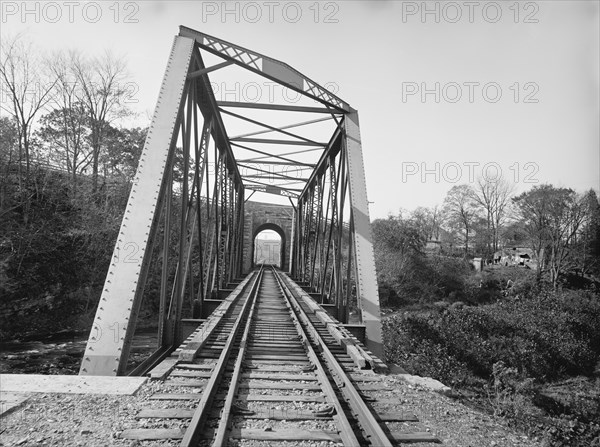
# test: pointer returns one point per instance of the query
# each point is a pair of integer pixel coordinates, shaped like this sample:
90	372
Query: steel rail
346	430
220	437
194	431
374	432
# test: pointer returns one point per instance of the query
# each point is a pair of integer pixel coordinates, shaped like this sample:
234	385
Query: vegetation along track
266	367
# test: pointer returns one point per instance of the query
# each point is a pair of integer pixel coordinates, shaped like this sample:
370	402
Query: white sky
375	54
268	235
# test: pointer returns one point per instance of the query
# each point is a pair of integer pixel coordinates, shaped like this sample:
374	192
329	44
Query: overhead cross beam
271	128
278	107
202	72
268	67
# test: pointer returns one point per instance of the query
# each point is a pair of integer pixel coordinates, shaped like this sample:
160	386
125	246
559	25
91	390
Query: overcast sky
446	91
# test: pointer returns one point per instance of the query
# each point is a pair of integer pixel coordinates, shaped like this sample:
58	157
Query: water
60	354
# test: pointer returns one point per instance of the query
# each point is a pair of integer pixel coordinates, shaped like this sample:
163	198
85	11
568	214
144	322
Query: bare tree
589	239
27	92
66	127
102	82
8	143
494	196
429	220
460	208
553	219
63	133
437	219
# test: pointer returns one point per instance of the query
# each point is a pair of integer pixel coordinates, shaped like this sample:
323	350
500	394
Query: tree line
65	110
558	225
67	161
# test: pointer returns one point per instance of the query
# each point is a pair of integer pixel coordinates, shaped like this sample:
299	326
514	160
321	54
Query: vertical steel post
163	337
367	293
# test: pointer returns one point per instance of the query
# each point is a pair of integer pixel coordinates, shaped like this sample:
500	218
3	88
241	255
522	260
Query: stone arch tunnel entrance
266	248
260	216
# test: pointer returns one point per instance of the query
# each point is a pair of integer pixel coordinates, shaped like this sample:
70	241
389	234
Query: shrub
507	394
571	432
417	348
545	338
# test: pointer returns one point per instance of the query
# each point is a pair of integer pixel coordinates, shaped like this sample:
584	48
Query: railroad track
268	367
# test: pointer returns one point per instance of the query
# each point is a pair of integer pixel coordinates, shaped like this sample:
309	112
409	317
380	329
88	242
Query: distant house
516	256
477	264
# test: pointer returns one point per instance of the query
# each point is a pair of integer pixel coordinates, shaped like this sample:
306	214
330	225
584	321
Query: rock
425	382
396	369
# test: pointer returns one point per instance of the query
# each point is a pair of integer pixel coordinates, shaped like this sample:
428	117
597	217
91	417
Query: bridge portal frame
173	189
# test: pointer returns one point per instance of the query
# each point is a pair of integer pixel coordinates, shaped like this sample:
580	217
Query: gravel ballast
97	420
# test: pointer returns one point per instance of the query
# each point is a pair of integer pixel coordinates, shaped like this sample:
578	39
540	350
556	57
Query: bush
427	280
57	247
418	349
570	432
509	352
544	338
508	394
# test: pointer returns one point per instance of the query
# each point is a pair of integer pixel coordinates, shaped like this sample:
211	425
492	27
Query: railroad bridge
189	223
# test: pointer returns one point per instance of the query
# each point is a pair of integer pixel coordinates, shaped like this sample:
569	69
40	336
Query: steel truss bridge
181	242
